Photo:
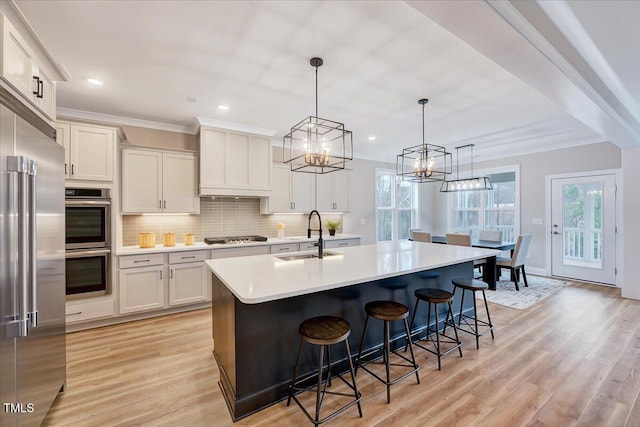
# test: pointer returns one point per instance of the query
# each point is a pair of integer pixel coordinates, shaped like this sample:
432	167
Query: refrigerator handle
33	253
19	165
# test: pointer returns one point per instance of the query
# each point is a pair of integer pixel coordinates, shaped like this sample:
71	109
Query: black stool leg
386	359
364	331
413	318
318	393
435	309
413	359
475	318
486	306
455	330
353	375
328	367
461	306
295	373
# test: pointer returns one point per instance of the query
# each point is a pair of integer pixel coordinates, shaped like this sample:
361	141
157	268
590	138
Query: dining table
490	269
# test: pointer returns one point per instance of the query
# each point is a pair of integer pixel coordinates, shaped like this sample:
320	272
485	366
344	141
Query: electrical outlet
363	221
537	221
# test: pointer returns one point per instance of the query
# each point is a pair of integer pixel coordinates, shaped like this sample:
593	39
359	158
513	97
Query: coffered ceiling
172	61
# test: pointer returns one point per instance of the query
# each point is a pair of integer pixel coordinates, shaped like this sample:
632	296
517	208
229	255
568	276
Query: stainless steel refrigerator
32	269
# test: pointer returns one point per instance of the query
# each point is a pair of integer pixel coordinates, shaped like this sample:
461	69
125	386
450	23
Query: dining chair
516	262
490	235
421	236
464	240
458	239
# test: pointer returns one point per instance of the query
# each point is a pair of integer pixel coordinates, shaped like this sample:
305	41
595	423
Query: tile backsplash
219	216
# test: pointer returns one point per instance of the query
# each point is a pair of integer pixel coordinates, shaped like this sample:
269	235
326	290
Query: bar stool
387	311
435	297
324	331
474	286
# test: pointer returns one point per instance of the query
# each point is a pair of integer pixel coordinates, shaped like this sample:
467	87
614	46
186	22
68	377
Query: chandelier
467	184
424	162
317	145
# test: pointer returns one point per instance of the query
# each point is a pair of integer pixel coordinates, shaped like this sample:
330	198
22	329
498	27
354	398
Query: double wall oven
88	243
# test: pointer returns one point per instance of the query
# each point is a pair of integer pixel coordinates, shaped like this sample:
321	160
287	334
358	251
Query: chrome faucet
319	230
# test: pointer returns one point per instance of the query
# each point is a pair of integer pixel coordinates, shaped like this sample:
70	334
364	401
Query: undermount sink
306	255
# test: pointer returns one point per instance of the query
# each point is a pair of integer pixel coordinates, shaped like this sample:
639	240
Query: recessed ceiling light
223	107
372	138
95	82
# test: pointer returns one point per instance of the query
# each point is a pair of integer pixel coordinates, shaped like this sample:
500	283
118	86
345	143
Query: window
496	209
396	202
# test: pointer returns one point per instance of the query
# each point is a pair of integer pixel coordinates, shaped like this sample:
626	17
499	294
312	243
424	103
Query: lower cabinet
141	289
90	309
343	243
187	277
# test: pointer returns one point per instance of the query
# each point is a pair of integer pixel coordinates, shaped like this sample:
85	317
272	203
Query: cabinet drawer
130	261
191	256
341	243
307	246
287	247
78	312
234	252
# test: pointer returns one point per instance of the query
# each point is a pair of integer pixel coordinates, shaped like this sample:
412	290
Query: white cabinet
292	191
236	252
21	69
342	243
141	288
89	151
154	181
187	277
234	163
83	310
332	192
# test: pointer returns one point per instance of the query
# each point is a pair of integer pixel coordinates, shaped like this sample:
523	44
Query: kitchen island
259	302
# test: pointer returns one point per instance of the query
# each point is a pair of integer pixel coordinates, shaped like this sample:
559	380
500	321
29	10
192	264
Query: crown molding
204	121
119	120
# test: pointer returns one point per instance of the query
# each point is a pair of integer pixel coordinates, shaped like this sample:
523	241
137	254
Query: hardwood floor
572	360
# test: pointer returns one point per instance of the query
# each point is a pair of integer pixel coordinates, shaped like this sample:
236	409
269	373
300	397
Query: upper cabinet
292	191
27	68
332	192
234	163
89	151
156	181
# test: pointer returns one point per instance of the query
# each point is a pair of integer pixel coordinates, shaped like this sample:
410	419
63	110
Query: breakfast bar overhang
259	302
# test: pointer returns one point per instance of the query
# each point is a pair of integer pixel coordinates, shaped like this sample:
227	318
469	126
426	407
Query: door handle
33	294
555	232
37	91
73	172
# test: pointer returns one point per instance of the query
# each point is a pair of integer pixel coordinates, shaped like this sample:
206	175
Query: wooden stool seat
434	295
386	310
324	330
470	284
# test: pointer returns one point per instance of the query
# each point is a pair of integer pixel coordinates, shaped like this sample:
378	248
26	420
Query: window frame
415	203
482	210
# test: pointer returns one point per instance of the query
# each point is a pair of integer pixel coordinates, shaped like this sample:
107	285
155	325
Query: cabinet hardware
141	260
160	274
74	314
65	169
73	172
294	205
284	249
37	91
40	93
343	244
171	273
165	204
160	204
188	257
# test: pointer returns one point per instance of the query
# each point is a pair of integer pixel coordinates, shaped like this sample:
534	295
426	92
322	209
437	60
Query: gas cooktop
234	239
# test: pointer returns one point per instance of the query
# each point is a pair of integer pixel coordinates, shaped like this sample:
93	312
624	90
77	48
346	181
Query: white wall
631	213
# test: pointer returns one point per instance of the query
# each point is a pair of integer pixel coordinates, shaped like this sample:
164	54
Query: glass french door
583	233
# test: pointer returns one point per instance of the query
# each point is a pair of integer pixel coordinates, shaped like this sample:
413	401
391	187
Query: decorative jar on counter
169	239
189	239
147	240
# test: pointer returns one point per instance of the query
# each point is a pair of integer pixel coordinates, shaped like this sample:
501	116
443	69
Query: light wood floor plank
573	359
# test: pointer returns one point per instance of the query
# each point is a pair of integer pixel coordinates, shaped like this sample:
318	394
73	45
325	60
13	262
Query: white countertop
263	278
136	250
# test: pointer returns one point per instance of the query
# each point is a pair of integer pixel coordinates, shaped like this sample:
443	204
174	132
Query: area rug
539	289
